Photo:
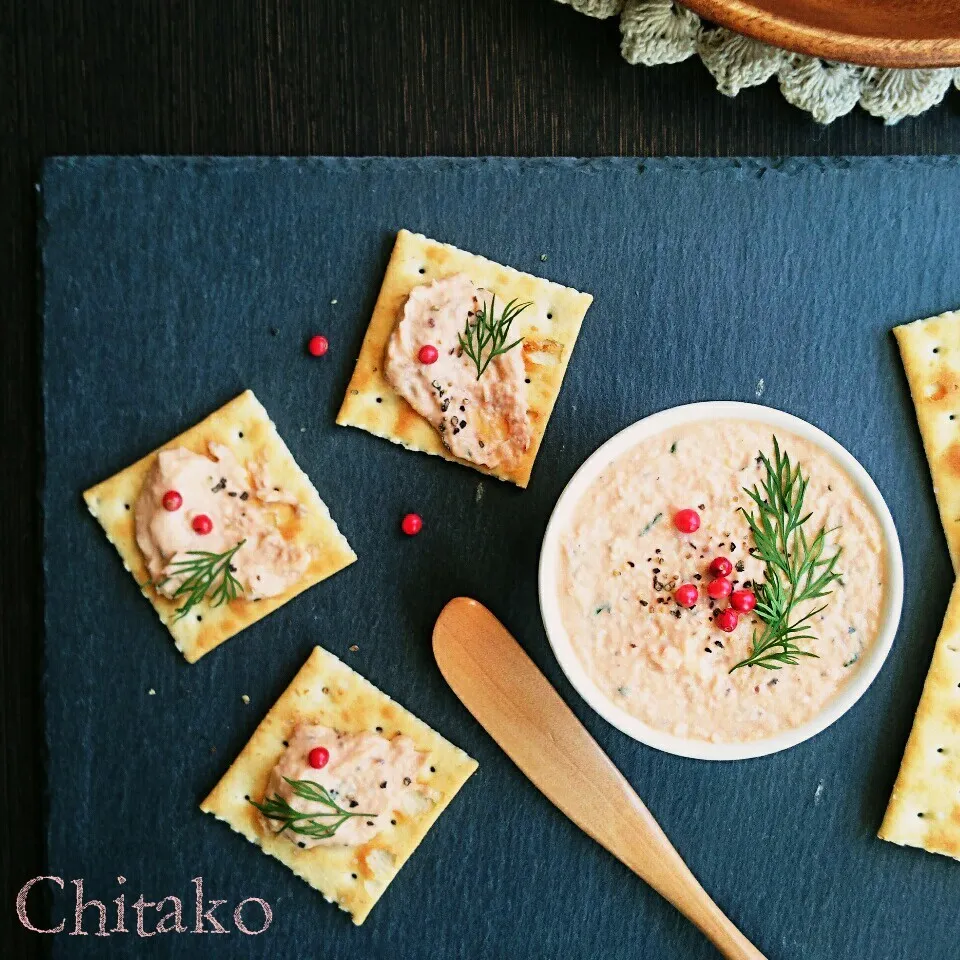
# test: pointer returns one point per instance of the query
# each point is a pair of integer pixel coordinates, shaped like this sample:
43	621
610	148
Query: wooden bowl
883	33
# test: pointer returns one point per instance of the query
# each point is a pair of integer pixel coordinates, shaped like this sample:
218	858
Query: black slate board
162	282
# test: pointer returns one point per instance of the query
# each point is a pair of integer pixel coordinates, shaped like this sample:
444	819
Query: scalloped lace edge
655	32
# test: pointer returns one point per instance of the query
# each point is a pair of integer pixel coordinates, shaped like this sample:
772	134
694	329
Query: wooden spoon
515	703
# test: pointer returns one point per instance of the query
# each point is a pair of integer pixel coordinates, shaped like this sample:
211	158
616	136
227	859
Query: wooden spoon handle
516	704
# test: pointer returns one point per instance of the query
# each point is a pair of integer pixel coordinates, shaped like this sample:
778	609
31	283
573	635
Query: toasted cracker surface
326	691
244	426
931	357
924	810
549	328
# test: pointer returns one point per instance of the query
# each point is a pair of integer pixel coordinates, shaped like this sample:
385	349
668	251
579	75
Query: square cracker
924	810
244	426
549	329
931	357
326	691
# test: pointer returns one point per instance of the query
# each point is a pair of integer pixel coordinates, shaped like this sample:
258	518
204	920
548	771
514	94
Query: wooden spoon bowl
884	33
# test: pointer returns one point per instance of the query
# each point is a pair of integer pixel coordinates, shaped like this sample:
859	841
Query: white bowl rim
627	438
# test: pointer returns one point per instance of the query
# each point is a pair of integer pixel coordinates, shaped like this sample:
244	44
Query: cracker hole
549	316
423	270
953	416
393	823
936	349
126	506
353	875
379	399
920	815
433	769
199	618
940	750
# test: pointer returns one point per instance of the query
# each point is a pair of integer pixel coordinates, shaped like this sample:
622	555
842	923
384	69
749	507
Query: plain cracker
328	692
244	426
924	810
931	357
550	328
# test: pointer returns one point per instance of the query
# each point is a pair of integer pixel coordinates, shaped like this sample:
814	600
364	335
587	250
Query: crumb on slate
354	648
245	698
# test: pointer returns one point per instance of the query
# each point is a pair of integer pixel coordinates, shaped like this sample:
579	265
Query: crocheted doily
663	31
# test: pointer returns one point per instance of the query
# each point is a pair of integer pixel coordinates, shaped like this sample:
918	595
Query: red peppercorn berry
317	346
743	600
686	595
172	501
728	620
411	524
201	524
687	521
720	567
428	354
318	757
720	588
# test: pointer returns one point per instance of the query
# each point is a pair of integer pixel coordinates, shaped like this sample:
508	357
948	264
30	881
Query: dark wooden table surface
403	77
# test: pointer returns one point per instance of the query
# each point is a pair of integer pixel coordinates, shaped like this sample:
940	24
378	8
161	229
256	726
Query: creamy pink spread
366	773
238	499
484	421
622	558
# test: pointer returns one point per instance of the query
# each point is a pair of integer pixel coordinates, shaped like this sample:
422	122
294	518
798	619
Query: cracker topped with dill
463	358
347	832
219	527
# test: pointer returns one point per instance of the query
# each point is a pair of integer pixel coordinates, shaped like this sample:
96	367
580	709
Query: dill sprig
489	333
651	524
201	570
796	570
307	824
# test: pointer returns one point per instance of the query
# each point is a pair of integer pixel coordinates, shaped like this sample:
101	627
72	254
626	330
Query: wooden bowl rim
743	16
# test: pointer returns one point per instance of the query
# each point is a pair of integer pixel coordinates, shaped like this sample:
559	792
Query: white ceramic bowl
550	567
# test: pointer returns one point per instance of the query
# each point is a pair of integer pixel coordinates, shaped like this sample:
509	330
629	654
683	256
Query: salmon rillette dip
662	581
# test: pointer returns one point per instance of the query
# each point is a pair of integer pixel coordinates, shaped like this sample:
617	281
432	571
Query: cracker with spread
463	358
931	358
339	783
219	526
924	810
